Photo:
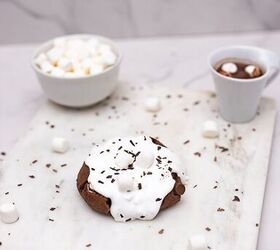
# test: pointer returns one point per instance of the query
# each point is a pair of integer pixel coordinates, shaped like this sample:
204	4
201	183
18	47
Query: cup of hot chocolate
240	75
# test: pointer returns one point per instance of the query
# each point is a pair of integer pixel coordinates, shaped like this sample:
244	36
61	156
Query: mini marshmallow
54	54
152	104
96	69
125	182
229	68
210	129
60	145
8	213
59	42
123	160
78	56
145	159
109	58
40	59
46	67
253	71
197	242
65	64
57	72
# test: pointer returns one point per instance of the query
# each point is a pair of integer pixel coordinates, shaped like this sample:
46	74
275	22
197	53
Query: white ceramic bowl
80	91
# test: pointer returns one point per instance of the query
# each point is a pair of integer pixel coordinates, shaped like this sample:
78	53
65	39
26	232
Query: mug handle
273	64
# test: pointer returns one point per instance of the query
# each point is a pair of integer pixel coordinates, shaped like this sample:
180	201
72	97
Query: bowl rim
82	36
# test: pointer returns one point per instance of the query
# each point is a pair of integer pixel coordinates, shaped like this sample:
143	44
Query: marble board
224	195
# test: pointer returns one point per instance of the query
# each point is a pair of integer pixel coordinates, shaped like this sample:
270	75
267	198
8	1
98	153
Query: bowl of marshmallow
77	70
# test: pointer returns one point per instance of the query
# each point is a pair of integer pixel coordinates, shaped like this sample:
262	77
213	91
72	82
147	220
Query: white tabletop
179	61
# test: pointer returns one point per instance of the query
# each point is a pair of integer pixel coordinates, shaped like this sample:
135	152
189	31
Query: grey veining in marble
38	20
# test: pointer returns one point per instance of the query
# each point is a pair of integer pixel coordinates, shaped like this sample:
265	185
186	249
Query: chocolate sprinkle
101	182
236	198
109	176
158	199
197	154
208	229
139	186
220	209
132	143
121	215
33	162
19	185
128	220
88	245
161	231
31	176
186	142
52	208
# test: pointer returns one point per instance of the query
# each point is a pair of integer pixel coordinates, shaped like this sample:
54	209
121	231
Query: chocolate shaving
197	154
236	198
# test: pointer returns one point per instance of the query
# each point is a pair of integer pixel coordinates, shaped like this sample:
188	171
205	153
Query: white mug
238	99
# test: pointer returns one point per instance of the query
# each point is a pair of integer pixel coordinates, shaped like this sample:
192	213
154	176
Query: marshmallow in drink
60	145
197	242
8	213
152	104
229	67
253	71
210	129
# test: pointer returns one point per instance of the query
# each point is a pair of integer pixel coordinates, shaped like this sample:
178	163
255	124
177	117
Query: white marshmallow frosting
136	187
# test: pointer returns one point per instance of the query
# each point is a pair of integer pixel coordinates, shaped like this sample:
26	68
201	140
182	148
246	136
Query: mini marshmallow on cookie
146	158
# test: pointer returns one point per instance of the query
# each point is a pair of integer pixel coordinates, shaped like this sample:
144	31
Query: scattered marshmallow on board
60	145
8	213
197	242
210	129
152	104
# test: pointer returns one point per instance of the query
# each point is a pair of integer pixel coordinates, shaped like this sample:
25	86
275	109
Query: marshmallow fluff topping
135	173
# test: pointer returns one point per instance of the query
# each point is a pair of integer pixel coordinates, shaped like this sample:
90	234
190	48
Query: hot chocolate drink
238	68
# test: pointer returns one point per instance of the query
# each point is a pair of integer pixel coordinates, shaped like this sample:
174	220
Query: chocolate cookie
131	178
